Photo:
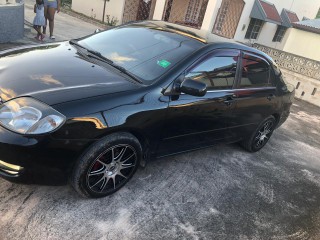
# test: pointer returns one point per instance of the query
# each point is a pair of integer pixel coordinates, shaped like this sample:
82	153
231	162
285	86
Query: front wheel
107	165
260	136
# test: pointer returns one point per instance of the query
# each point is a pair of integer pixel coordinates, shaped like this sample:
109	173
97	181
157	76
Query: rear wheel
107	165
260	136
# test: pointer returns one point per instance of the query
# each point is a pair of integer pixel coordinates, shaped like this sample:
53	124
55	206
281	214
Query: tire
260	136
107	165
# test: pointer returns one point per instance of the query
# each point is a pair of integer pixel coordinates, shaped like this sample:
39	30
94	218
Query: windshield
145	52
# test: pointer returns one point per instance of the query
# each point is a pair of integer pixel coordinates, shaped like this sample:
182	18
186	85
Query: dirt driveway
218	193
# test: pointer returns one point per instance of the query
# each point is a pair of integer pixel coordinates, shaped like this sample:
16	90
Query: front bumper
10	169
40	159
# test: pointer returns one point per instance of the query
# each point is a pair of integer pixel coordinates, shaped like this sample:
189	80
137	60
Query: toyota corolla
94	109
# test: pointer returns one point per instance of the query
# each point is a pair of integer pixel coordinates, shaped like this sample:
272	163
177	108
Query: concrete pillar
210	16
159	9
11	22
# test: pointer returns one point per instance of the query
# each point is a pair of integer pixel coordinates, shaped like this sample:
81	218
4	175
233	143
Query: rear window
255	72
146	52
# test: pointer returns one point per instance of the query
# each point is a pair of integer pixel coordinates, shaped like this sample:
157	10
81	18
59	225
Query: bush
66	3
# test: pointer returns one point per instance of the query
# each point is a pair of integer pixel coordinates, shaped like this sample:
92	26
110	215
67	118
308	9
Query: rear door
195	122
254	94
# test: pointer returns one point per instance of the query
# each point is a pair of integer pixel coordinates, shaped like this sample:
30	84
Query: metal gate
135	10
186	12
228	18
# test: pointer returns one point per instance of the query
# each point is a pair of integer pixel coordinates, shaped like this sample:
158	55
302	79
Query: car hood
56	73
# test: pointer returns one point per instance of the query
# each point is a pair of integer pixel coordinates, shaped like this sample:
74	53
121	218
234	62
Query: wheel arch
143	139
277	117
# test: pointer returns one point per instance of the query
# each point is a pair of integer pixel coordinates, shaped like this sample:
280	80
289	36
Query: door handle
229	100
271	96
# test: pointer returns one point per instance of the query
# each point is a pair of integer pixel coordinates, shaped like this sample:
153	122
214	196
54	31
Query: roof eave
259	13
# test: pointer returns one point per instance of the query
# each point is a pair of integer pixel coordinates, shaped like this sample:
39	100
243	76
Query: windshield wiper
95	53
75	42
125	71
99	56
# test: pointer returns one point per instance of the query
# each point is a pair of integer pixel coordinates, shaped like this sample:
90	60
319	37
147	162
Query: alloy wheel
263	134
110	170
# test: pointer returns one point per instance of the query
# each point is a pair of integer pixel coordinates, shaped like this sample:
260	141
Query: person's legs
37	28
46	17
51	13
39	34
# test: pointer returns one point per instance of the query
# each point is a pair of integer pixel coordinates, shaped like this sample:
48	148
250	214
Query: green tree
318	15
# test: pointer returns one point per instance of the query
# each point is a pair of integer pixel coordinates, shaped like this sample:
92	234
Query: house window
281	30
186	12
228	18
254	28
222	15
193	11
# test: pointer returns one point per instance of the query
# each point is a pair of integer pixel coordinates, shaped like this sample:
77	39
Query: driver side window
217	70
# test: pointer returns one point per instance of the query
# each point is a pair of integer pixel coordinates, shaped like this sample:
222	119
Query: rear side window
217	70
255	72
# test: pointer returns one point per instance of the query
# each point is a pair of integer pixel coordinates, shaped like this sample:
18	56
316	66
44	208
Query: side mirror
193	88
97	30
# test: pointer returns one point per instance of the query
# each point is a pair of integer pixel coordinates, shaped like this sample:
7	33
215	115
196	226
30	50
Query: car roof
168	27
239	46
221	43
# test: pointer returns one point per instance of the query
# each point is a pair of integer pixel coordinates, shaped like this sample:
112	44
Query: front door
195	122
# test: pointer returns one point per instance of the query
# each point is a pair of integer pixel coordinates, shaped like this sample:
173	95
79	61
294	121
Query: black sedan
95	108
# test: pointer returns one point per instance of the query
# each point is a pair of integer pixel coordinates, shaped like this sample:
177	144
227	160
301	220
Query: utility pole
104	9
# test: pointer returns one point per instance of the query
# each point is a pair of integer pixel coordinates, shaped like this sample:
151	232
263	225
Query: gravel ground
221	192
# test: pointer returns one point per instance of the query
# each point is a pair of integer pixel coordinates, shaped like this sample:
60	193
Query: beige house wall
307	8
302	43
159	9
306	86
210	16
292	38
94	8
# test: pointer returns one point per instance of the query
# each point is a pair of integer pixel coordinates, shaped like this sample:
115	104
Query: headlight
28	116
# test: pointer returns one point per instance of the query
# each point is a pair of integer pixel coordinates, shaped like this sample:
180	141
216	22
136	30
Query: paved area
66	27
221	192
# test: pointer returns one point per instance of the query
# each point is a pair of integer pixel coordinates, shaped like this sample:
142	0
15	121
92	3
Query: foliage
318	15
111	21
66	3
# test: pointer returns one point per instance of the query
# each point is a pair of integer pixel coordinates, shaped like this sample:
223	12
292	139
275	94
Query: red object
292	16
270	11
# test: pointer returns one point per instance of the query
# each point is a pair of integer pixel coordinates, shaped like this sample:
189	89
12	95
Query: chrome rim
264	134
112	168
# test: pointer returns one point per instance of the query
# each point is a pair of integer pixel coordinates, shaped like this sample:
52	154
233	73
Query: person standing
50	8
39	20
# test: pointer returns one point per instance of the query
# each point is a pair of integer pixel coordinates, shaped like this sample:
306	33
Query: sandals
40	37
